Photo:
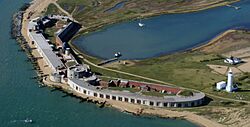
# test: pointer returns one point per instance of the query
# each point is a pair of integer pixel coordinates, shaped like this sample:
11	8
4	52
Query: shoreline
165	113
150	15
193	48
214	40
138	110
89	30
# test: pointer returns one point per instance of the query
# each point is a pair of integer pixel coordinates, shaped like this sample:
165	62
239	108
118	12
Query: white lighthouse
229	87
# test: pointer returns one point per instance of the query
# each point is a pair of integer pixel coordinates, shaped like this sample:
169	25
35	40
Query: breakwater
16	26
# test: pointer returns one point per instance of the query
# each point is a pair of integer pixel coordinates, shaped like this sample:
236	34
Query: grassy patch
156	94
133	90
182	69
93	13
186	93
50	34
52	9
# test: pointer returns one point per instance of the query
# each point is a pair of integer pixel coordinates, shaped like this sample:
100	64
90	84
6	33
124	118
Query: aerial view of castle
176	62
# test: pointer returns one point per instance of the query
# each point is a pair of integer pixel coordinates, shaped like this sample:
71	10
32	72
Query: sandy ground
118	64
33	11
219	68
231	117
223	69
214	42
138	109
246	66
242	53
37	6
245	55
230	43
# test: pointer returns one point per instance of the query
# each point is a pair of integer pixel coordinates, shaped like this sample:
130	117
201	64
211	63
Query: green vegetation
244	79
76	6
182	69
71	63
157	94
92	13
187	69
186	93
52	9
133	90
103	72
50	34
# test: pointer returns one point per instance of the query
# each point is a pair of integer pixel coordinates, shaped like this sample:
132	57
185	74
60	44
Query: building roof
45	48
221	82
79	68
68	32
91	78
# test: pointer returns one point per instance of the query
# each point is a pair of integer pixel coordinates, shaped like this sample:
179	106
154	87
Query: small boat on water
28	120
118	54
141	24
235	7
23	121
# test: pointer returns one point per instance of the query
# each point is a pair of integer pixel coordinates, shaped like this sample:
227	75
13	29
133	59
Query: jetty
107	61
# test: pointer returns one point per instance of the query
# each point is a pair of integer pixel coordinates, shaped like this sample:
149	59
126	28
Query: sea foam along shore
38	6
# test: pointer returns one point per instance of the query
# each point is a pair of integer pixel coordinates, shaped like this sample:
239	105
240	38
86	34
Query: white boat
235	7
28	120
23	121
118	54
233	60
141	24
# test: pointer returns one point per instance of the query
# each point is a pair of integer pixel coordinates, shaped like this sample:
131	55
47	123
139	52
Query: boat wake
235	7
22	121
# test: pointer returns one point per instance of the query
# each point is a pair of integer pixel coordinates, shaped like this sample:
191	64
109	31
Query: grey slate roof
45	48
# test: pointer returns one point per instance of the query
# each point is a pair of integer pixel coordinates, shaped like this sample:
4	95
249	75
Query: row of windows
119	98
151	103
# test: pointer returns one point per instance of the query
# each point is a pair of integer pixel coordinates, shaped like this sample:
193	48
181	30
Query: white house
233	60
221	85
